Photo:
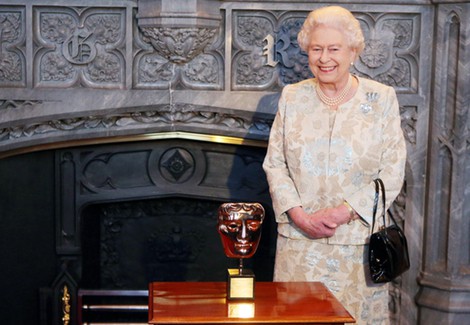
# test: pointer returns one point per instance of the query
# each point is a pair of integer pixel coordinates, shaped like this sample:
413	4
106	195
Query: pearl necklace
335	101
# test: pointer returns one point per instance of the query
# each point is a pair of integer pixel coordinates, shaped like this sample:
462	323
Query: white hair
335	17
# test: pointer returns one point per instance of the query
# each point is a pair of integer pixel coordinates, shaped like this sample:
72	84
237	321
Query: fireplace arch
135	212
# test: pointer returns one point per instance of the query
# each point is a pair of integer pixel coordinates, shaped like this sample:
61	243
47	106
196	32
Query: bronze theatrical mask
239	226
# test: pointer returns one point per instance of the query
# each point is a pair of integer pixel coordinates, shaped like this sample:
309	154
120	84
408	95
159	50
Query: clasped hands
321	223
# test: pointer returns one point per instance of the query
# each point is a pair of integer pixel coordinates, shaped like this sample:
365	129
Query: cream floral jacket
310	165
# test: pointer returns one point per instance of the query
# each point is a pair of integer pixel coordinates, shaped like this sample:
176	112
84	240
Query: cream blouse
312	165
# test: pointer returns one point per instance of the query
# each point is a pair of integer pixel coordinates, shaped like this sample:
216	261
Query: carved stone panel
12	47
153	69
391	55
267	54
79	47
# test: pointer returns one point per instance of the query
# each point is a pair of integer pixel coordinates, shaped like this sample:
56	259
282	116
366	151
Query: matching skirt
342	268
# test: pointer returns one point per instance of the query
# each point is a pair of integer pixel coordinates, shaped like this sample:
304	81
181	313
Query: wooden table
274	303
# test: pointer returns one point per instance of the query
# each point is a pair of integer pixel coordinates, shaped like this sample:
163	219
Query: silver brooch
371	98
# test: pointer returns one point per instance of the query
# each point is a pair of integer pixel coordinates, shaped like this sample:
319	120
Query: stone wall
86	72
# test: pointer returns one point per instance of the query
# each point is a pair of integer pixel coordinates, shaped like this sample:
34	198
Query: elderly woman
332	136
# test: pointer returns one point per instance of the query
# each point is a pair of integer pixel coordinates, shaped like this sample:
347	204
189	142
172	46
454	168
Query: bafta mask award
239	226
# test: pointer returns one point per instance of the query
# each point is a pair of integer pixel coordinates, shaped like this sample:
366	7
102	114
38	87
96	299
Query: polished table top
274	303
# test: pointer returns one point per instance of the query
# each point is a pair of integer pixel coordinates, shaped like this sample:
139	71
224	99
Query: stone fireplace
140	212
158	111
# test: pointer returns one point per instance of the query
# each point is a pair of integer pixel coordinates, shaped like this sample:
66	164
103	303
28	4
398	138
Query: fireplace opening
127	245
140	212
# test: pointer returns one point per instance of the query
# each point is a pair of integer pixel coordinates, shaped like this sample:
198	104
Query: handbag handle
379	186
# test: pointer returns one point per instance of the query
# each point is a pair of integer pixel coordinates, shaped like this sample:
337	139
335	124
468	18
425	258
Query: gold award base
240	284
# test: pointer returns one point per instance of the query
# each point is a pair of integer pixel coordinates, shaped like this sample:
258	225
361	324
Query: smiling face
330	56
239	227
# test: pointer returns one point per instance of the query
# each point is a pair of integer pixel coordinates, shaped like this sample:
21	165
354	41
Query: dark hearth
126	245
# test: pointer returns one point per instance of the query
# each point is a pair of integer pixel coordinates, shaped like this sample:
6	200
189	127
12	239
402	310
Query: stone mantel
48	96
57	116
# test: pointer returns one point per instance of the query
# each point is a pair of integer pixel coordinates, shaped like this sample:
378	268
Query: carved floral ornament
159	116
179	34
11	33
178	45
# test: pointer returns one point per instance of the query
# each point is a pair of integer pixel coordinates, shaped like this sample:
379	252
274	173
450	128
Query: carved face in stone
239	226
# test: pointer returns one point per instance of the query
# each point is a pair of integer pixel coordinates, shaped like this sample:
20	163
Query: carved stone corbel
179	33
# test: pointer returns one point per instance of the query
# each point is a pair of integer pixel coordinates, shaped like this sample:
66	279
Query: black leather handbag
388	249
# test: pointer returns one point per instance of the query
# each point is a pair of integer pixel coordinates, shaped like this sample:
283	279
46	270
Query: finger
330	225
330	232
